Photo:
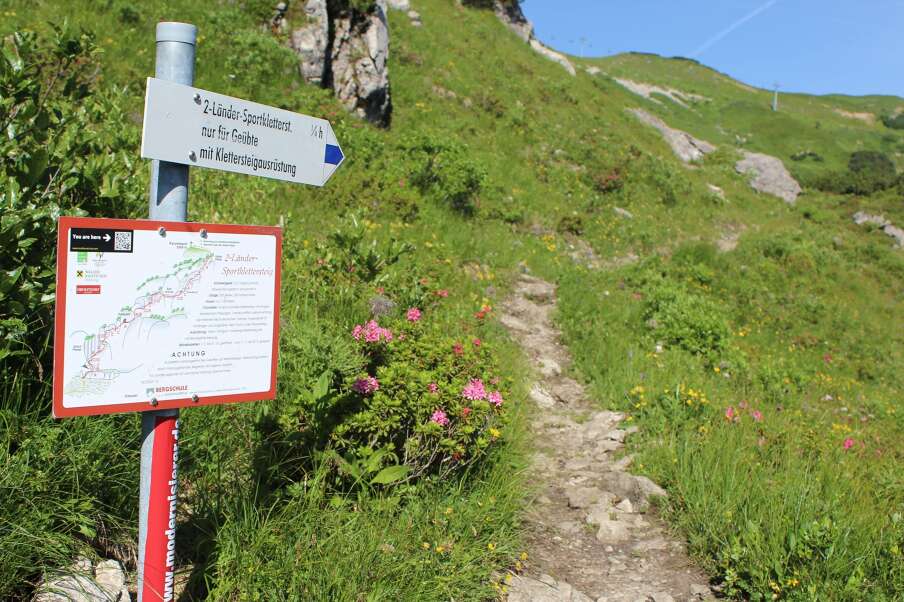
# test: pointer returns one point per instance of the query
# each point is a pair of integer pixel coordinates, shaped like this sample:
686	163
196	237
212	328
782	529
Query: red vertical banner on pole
160	546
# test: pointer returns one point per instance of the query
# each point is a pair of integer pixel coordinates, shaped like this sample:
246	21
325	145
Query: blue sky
815	46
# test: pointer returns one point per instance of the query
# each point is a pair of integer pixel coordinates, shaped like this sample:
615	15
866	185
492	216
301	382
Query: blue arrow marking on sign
333	155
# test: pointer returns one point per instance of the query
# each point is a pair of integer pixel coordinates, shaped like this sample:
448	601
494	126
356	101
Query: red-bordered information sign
157	315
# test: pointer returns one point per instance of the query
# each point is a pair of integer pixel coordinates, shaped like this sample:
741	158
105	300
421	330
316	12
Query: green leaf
87	531
322	387
390	474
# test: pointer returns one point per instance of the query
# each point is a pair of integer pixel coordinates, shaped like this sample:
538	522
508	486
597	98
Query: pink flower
848	443
476	342
440	418
495	398
457	349
474	390
413	315
465	412
442	293
371	332
366	385
729	413
432	387
757	415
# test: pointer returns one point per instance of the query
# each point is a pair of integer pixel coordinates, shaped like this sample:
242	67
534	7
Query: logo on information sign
100	239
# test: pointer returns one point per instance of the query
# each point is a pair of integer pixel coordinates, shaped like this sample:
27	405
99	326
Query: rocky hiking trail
589	533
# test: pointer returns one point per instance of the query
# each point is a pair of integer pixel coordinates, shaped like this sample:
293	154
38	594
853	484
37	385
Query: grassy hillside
766	378
730	112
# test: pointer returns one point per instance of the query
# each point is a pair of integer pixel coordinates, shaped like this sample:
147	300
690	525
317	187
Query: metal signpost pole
160	428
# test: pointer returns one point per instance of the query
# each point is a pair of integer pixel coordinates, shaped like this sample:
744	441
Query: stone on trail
544	589
625	506
584	497
541	397
549	367
513	323
699	591
613	531
637	488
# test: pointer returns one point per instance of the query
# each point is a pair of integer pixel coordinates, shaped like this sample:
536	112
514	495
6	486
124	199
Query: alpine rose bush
424	397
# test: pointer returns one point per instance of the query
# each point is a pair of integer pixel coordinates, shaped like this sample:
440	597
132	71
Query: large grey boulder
360	67
769	175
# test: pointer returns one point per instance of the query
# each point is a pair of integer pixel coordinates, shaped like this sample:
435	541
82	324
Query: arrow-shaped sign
107	237
188	125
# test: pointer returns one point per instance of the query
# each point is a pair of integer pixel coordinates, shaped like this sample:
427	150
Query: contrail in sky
716	38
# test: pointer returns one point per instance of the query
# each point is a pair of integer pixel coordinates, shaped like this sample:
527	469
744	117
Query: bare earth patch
591	534
862	116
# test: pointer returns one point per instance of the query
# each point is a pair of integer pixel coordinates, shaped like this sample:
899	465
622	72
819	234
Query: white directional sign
195	127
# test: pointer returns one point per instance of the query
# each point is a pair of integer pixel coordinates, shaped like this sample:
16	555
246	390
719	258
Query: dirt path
589	536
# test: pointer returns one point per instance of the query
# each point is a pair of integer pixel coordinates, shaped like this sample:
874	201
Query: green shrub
871	171
807	154
412	399
571	224
669	181
66	149
446	170
687	320
895	122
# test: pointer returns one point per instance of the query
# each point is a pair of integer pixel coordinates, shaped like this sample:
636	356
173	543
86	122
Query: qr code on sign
123	241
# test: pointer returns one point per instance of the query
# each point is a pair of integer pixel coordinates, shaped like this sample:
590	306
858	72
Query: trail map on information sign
150	318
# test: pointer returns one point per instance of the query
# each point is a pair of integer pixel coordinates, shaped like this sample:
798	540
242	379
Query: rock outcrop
769	176
883	224
311	42
685	146
509	12
348	51
359	63
648	90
